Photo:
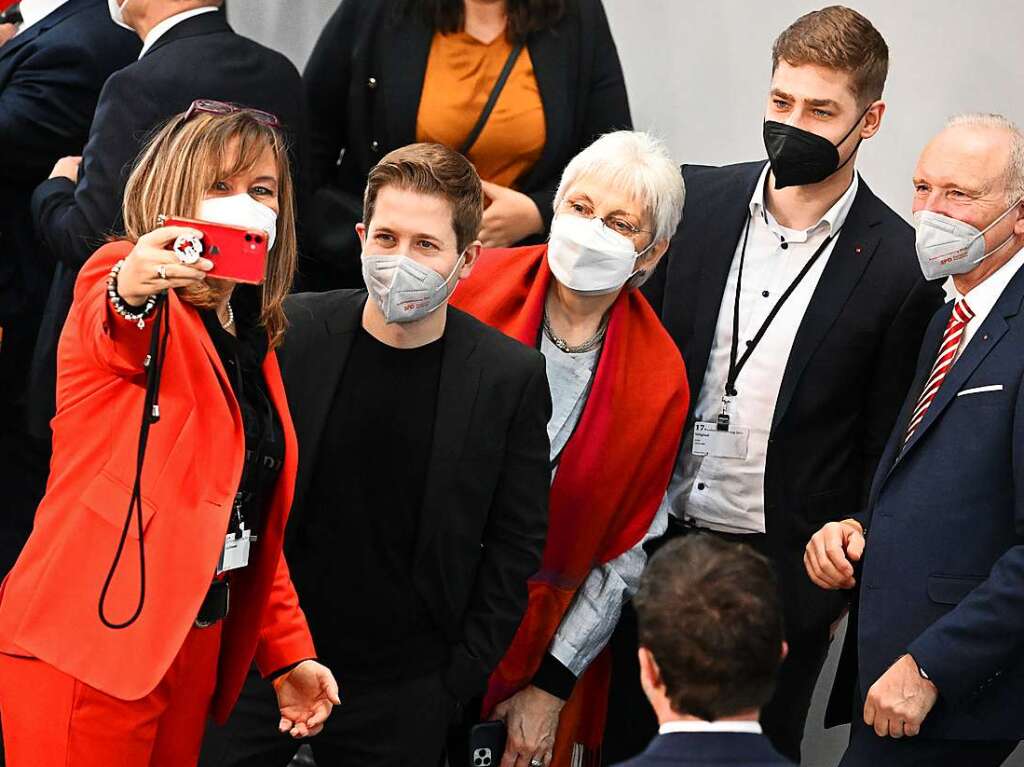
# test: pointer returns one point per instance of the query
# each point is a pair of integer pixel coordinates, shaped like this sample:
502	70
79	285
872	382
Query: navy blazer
707	749
200	57
50	78
943	570
848	372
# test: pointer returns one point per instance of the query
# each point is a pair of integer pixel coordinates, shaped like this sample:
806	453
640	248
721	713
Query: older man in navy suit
711	642
934	656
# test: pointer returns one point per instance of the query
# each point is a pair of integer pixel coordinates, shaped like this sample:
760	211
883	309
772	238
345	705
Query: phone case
487	744
238	254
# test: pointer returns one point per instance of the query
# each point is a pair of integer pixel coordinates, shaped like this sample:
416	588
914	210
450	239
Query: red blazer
48	602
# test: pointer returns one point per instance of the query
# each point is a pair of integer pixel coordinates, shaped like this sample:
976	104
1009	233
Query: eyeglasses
614	223
211	107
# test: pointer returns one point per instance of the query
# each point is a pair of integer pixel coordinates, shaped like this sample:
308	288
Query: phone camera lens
248	238
259	238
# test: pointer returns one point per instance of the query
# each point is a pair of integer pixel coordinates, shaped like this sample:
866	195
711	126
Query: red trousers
53	720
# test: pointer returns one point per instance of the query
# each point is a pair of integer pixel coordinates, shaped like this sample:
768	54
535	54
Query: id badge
708	440
236	552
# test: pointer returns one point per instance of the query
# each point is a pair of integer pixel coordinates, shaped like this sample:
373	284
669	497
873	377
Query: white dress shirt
984	297
727	494
171	21
753	727
34	11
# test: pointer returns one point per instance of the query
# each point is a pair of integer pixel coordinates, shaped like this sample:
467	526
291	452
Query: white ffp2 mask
586	256
946	246
117	14
405	290
243	211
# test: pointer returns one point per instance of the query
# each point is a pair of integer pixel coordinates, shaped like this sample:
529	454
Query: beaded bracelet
118	304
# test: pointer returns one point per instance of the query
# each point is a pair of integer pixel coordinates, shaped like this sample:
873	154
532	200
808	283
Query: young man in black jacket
795	297
421	501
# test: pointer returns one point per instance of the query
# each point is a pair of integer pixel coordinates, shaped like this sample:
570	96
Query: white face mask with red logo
405	290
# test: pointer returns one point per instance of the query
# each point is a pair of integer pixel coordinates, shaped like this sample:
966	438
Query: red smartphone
238	254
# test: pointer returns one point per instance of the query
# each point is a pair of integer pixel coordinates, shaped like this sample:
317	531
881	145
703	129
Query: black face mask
800	157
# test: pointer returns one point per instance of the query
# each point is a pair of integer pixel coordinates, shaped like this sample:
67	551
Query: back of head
838	38
436	170
709	613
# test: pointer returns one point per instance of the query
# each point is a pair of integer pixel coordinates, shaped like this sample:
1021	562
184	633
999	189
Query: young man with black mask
794	295
422	492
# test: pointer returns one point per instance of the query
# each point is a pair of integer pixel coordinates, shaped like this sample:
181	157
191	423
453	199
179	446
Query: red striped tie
958	320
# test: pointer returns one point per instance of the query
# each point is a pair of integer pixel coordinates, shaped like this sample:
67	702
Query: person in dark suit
51	74
795	299
932	662
711	641
385	73
421	507
189	52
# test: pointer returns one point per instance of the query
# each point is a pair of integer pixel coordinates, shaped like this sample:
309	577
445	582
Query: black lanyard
736	362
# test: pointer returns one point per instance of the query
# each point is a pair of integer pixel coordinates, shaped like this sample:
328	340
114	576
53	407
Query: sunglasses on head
211	107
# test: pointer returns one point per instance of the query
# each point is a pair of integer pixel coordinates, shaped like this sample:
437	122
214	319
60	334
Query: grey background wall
698	72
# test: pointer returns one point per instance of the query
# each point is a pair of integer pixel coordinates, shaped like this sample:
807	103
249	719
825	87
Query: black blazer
363	84
709	749
199	58
849	369
484	516
50	79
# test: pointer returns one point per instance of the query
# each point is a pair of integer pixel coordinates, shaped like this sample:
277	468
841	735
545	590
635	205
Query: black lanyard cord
736	365
150	415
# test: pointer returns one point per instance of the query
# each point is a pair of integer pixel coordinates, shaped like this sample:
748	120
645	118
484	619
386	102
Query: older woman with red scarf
619	395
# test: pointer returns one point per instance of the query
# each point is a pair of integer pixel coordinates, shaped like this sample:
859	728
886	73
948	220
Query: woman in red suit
154	574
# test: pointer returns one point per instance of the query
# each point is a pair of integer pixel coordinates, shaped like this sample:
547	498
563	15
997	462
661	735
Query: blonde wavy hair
177	169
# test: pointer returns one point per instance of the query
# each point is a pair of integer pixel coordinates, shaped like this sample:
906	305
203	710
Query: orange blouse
461	71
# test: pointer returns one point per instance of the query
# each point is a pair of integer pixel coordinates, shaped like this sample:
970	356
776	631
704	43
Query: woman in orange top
386	73
117	634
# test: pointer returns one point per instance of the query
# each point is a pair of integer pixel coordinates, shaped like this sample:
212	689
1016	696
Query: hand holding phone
238	254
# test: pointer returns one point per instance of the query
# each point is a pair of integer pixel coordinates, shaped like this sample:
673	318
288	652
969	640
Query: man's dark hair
436	170
709	611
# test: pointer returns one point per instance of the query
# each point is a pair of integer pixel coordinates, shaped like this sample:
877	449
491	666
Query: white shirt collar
34	11
171	21
984	296
833	219
753	728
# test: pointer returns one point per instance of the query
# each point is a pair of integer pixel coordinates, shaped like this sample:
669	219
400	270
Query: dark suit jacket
199	58
709	749
484	517
943	571
363	84
50	79
847	374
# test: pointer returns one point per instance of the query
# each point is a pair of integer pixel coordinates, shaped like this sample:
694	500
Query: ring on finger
161	271
536	763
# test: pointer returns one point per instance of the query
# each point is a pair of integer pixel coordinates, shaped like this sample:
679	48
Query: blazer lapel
311	373
456	395
717	251
850	256
405	50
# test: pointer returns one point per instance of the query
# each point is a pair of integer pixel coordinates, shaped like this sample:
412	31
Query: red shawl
611	477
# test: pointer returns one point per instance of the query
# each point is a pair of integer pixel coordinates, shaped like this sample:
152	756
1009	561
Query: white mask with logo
947	246
405	290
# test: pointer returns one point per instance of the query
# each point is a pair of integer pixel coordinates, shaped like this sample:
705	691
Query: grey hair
1015	168
638	164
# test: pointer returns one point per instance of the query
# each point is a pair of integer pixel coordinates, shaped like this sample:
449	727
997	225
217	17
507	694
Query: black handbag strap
481	121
